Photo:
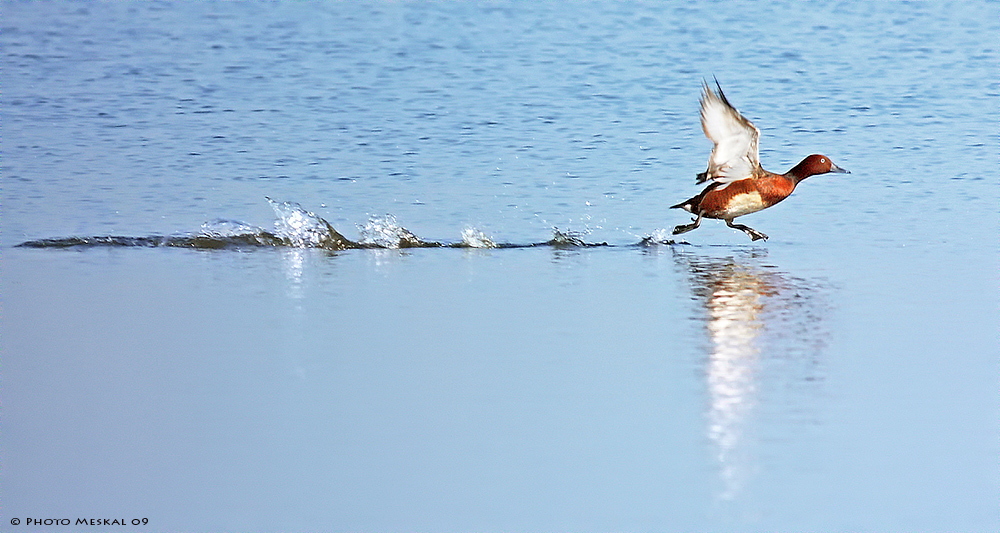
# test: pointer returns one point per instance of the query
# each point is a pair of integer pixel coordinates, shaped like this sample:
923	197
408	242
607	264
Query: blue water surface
841	376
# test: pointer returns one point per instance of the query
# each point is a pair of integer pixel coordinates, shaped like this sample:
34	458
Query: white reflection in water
747	308
733	303
294	259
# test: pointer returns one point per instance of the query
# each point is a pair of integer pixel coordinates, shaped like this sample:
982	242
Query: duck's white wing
734	156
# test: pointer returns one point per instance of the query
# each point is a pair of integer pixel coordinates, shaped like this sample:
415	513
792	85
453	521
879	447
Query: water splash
299	228
565	238
305	229
473	238
384	232
569	239
660	236
221	228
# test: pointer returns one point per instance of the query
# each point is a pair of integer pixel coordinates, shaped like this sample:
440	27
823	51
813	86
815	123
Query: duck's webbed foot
754	234
684	228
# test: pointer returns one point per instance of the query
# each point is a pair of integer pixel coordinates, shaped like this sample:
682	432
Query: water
184	350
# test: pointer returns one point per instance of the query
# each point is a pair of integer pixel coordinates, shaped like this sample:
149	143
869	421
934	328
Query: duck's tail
687	205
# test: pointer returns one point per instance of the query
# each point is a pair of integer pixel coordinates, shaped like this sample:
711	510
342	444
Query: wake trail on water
296	227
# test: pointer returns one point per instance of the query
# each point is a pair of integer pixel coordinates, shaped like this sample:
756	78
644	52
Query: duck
739	185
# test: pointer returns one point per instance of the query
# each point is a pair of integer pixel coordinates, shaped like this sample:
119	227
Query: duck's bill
835	168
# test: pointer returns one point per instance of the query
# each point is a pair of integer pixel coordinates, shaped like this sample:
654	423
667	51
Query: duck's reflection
294	259
747	317
733	300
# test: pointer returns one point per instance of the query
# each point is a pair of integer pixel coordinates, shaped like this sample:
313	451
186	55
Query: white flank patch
743	204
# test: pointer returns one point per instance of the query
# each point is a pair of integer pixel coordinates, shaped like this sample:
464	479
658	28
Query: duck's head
813	165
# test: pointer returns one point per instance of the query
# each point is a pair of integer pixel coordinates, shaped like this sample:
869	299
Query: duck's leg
684	228
754	234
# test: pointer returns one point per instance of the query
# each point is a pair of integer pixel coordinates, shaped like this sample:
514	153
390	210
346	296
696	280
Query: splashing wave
299	228
384	232
473	238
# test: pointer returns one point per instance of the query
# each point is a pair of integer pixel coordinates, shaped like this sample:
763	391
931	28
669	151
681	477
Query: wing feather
734	156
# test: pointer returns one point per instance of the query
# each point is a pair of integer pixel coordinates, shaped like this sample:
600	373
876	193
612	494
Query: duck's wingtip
722	95
717	93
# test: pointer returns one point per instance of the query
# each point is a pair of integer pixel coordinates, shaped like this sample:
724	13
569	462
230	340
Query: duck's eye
822	160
